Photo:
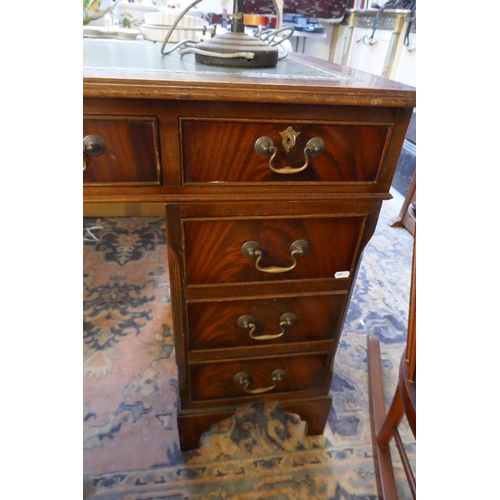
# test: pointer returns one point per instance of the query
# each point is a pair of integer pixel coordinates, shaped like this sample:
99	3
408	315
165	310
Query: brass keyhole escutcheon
289	138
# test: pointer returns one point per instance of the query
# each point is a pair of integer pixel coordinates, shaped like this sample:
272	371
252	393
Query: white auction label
342	274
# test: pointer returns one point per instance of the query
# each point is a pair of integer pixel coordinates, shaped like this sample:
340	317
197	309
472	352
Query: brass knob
93	145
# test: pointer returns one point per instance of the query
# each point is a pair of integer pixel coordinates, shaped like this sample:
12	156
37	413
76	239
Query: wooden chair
384	426
407	215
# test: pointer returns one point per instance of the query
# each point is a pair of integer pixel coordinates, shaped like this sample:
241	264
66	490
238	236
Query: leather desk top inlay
145	57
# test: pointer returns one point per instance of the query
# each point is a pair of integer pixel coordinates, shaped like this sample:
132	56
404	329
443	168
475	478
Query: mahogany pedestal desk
272	180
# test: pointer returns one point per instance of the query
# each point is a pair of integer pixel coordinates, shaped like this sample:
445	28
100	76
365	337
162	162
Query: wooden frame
384	426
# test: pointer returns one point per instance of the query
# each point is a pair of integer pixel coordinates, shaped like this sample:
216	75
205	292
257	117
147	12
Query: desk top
117	68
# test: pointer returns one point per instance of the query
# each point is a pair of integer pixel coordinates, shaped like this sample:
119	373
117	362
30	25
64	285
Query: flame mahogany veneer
182	134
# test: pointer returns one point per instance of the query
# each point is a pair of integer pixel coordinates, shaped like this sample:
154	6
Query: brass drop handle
264	146
248	323
252	249
412	211
243	379
93	145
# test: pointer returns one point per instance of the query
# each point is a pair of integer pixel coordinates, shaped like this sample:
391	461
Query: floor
130	434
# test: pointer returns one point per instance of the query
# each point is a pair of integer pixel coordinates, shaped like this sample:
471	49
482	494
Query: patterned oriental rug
130	439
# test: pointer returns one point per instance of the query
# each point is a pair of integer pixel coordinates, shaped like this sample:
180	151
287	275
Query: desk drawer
216	380
216	151
219	251
265	321
131	154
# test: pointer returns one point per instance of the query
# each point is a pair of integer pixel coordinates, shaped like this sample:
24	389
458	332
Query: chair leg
386	483
392	420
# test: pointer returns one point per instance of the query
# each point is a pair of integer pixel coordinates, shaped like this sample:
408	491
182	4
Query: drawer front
131	153
217	380
213	248
215	151
266	321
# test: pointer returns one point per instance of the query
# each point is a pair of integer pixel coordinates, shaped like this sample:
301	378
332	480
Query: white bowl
169	18
177	10
132	15
155	33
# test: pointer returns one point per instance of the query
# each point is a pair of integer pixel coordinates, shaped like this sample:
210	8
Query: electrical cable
268	37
